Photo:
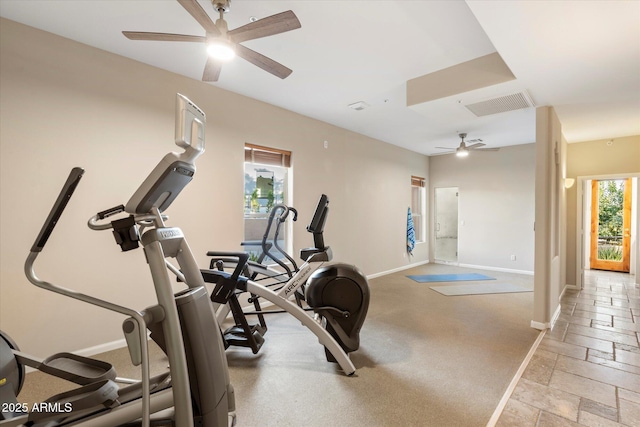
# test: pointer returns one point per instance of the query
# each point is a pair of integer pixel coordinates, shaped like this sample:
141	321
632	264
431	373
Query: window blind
417	181
266	155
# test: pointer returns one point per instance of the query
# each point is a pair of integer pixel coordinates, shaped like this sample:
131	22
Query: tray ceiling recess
476	95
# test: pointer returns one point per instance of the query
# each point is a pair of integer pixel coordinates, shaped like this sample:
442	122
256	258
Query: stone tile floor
586	370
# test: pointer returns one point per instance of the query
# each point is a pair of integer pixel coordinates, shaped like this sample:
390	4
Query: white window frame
418	207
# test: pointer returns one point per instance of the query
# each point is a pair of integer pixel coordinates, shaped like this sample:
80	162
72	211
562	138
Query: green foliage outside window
610	253
610	219
610	202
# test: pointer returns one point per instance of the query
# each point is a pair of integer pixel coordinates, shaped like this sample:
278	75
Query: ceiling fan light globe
461	153
221	50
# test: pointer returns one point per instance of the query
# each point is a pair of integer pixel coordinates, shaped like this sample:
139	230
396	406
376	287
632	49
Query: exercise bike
196	390
338	294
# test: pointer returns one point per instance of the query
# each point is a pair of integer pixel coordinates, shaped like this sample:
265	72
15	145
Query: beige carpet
425	360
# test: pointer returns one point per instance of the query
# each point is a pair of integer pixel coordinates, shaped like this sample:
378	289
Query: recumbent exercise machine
338	294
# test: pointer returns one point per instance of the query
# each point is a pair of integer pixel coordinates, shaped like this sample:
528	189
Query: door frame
596	263
582	229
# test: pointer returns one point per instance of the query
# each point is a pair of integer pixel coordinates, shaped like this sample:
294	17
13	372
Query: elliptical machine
243	334
337	294
196	391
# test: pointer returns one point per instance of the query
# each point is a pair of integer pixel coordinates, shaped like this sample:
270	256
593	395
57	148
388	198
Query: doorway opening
446	225
607	224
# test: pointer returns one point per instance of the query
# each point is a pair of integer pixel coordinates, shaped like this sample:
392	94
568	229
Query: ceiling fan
223	44
463	149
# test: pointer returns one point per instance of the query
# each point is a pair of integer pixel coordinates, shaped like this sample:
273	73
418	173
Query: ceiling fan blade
441	154
139	35
475	146
195	10
274	24
486	149
446	148
211	70
263	62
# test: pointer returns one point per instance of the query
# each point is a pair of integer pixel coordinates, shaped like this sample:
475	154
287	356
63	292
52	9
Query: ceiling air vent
501	104
358	106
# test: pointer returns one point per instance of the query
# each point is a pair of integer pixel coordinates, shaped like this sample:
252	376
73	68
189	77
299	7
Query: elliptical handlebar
283	216
266	246
58	207
54	215
295	213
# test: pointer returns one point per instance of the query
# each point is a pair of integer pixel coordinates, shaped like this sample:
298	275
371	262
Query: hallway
586	370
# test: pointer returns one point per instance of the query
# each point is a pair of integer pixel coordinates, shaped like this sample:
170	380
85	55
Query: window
266	172
418	206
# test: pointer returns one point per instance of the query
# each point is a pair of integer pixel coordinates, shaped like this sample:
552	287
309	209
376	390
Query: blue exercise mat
428	278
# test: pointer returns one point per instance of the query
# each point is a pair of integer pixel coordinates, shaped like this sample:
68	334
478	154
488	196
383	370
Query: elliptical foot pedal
259	328
239	330
240	339
78	369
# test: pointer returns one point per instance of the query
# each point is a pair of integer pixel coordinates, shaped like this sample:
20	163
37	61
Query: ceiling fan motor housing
221	5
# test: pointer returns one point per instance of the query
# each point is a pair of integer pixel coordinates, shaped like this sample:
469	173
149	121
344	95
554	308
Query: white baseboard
514	381
479	267
539	325
92	351
439	261
395	270
101	348
555	315
547	325
504	270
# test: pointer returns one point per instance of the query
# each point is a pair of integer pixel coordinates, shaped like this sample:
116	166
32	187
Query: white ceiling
582	57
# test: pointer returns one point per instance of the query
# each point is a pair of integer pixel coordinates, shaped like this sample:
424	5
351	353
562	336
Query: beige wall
64	104
592	159
496	205
550	221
